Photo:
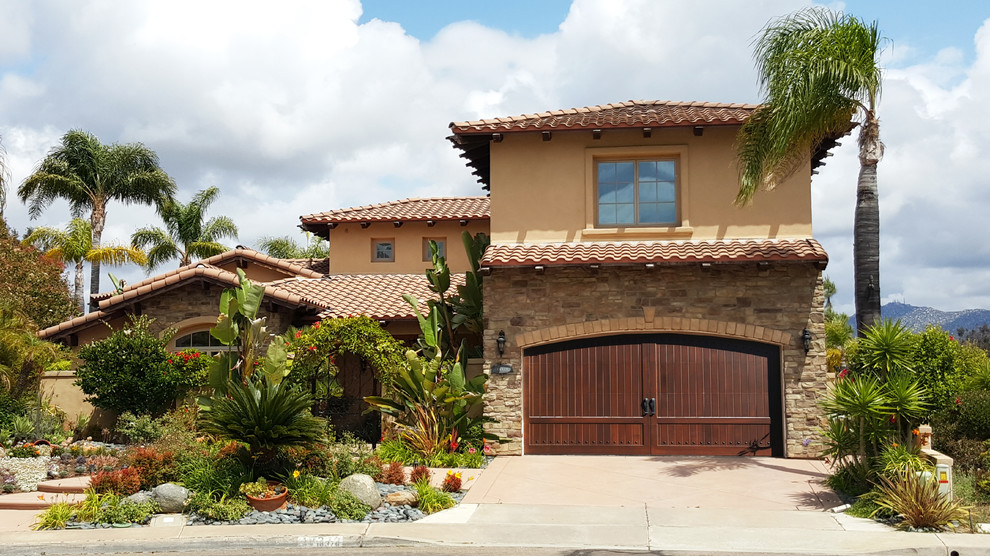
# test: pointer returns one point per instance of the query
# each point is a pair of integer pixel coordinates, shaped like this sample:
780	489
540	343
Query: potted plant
265	496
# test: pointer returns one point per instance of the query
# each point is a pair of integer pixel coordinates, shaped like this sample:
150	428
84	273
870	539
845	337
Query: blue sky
323	104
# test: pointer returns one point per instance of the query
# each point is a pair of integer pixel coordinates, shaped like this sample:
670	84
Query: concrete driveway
655	481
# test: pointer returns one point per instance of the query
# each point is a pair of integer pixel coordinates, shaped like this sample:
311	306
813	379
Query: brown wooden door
585	398
713	396
652	394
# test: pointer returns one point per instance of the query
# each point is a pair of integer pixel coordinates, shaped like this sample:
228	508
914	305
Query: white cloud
300	109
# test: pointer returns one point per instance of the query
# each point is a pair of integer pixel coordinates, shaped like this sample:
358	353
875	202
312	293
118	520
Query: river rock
363	488
402	498
171	497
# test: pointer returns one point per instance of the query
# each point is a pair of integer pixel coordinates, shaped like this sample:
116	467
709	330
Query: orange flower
915	432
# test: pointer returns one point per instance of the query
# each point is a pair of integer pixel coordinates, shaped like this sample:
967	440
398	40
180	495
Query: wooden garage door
653	394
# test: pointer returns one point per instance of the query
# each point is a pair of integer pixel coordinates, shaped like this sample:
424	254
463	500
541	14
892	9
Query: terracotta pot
269	504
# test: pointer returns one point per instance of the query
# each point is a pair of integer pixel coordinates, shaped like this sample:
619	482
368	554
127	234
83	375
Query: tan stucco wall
350	246
771	305
543	191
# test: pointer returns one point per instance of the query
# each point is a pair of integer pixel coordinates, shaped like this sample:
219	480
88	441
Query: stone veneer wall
202	299
771	304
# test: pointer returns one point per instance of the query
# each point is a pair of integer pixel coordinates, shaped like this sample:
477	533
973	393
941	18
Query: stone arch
647	323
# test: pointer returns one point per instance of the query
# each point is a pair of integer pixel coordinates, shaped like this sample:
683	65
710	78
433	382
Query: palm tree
23	356
186	235
89	174
818	71
284	247
75	245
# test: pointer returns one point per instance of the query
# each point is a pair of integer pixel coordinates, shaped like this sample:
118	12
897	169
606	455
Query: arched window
201	341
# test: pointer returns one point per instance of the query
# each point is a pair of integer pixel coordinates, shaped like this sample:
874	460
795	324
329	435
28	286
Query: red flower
197	354
312	348
316	325
951	339
844	373
958	400
299	334
893	418
169	361
453	445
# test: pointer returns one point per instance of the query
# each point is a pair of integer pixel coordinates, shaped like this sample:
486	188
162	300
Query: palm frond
117	255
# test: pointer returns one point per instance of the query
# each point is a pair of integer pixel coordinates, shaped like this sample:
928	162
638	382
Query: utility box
943	474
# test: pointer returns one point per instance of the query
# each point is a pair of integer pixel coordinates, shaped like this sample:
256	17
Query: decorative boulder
139	497
402	498
363	488
171	497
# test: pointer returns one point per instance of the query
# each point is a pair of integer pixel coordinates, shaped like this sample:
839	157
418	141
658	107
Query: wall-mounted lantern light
500	343
806	338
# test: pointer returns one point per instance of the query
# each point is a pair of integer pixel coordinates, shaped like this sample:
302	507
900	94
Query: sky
308	106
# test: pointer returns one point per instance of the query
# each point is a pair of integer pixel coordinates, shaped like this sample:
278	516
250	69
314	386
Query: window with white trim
441	248
641	192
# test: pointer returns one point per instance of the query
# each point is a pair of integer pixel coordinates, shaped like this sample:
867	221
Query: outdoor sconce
806	338
500	343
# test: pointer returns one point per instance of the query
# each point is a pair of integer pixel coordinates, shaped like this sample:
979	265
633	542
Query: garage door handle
653	406
646	406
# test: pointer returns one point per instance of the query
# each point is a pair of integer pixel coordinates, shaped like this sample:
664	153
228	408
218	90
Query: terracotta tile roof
321	266
378	296
201	270
633	113
91	318
287	265
658	252
407	210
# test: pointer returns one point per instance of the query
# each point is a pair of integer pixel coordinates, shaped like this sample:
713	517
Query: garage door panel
713	396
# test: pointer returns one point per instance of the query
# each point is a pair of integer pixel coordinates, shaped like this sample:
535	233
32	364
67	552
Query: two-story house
631	307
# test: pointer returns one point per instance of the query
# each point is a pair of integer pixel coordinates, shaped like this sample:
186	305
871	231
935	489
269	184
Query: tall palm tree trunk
866	230
79	286
98	220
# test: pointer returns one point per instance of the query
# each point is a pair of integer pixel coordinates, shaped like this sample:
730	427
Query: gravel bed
301	514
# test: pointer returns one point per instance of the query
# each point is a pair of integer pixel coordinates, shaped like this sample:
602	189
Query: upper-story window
383	250
637	192
202	341
441	248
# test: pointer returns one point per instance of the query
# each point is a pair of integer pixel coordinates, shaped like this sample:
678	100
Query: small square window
383	250
441	248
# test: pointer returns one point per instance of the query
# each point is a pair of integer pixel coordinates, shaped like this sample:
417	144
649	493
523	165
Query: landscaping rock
139	497
402	498
363	487
171	497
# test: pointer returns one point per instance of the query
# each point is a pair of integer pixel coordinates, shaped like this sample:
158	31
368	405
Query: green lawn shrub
345	505
217	468
129	371
432	500
219	506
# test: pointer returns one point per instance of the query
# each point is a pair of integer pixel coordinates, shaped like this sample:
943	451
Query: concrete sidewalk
660	505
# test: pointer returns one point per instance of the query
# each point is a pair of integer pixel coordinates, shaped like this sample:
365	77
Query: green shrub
394	449
938	367
217	470
310	491
345	505
9	408
129	371
866	507
219	507
974	414
899	459
142	429
55	516
851	480
115	509
432	500
335	460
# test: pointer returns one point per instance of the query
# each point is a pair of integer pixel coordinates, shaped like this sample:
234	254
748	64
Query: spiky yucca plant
917	501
